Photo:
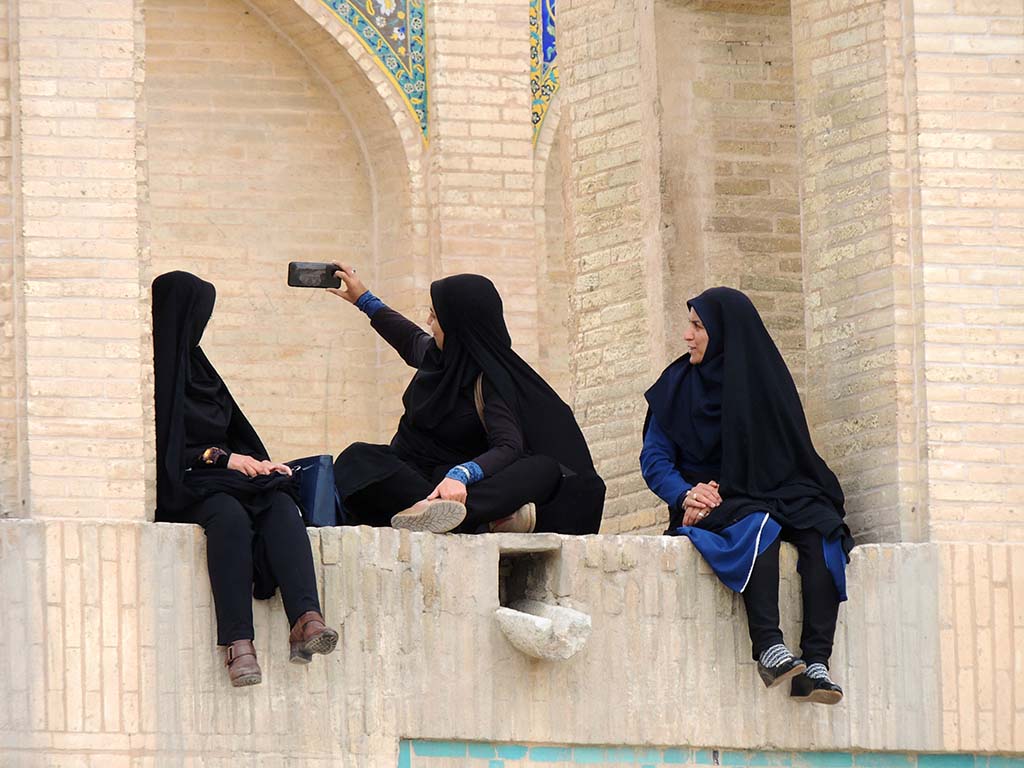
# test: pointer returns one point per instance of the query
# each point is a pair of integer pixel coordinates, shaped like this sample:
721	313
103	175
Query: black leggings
534	478
821	601
230	534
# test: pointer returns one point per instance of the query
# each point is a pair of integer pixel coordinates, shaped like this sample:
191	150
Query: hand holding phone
312	274
351	286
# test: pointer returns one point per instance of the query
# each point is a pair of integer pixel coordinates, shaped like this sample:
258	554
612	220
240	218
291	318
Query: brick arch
555	320
394	152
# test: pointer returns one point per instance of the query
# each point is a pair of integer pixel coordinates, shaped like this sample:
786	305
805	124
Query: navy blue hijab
737	418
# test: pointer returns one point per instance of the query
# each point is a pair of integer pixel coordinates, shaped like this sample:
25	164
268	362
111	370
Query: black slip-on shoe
817	690
781	672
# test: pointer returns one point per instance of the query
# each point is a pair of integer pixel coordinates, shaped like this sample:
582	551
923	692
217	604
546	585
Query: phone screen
312	274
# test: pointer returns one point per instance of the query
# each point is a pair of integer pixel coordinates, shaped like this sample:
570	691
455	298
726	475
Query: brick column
84	315
862	390
481	152
607	62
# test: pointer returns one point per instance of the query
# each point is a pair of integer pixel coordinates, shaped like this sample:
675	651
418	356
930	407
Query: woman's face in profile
435	329
696	338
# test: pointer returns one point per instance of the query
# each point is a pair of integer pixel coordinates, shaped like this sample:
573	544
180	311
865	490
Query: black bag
318	495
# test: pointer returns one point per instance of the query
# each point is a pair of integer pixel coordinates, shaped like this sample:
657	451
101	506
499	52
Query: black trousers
231	533
530	479
820	598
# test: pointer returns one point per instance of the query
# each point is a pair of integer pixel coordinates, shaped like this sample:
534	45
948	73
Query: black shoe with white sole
815	686
781	672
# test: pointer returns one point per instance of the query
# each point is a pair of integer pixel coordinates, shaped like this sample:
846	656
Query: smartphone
312	274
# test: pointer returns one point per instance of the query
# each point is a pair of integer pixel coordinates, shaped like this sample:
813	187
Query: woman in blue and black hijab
726	446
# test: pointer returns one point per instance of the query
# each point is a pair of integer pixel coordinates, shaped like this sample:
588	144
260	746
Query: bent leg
288	554
820	599
229	535
377	502
761	597
531	479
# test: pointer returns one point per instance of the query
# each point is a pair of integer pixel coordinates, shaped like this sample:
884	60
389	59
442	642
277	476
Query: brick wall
251	165
11	329
77	73
108	651
970	81
481	154
607	68
729	163
842	89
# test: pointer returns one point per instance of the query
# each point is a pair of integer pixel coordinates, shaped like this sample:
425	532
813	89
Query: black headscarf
476	340
766	457
193	405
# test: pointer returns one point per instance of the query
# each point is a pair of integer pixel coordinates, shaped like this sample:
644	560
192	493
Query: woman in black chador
726	446
484	443
213	470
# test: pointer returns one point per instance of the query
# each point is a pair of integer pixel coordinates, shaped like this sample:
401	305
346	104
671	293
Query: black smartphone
312	274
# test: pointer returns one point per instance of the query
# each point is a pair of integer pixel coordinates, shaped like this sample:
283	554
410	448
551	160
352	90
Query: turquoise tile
496	764
404	758
823	759
647	755
703	757
622	755
945	761
512	751
551	754
676	756
769	759
589	755
728	757
882	760
1001	761
439	748
481	750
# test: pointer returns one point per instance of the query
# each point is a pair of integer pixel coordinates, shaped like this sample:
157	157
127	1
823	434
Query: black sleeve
408	339
504	435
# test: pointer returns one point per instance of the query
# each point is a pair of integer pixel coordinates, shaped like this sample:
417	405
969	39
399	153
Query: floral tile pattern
394	31
543	60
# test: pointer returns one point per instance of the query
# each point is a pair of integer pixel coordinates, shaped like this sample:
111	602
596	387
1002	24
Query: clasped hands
699	501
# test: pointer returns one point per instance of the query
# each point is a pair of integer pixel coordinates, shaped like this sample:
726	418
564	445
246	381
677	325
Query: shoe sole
244	680
323	643
820	697
798	669
439	517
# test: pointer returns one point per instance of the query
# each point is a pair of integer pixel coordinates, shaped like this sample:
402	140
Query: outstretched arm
410	341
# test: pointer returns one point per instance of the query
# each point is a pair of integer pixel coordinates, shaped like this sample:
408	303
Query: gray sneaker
437	516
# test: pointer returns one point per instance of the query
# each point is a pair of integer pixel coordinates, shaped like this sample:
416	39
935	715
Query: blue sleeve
658	465
468	473
369	304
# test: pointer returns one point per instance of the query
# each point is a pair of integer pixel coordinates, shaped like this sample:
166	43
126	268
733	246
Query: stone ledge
110	637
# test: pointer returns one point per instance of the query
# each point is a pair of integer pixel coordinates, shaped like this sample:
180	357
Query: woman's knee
222	512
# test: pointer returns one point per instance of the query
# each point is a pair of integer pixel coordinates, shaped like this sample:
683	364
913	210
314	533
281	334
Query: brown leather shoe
310	635
523	520
240	660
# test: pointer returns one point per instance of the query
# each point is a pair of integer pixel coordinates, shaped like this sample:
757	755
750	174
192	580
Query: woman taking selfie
726	446
213	470
484	443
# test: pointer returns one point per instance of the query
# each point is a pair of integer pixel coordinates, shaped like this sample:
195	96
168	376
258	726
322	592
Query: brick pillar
862	391
481	152
83	312
607	62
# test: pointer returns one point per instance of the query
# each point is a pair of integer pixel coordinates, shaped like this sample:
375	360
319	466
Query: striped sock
772	657
818	671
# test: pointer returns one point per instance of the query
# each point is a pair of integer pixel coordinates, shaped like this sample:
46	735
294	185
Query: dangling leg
286	544
775	662
821	611
229	560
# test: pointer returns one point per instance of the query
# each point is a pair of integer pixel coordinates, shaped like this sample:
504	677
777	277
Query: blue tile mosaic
543	60
395	34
